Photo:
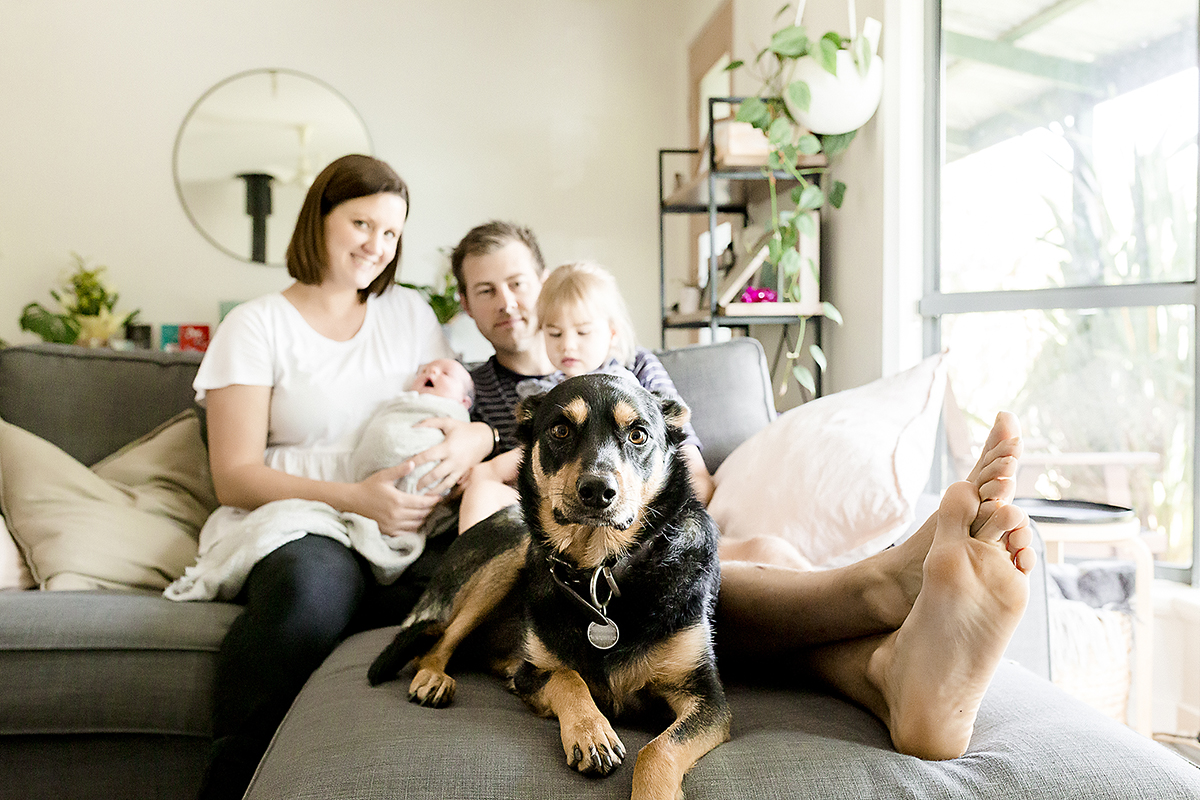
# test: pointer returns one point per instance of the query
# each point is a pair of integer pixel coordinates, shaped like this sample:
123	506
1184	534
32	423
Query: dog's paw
430	688
592	746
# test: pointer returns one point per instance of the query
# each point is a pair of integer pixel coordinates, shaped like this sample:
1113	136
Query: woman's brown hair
345	179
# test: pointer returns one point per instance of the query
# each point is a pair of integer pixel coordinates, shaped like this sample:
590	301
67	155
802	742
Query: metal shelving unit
717	191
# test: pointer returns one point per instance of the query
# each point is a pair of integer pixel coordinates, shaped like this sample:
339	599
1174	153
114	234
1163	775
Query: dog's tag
604	636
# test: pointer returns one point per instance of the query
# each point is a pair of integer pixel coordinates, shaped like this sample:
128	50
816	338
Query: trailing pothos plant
773	112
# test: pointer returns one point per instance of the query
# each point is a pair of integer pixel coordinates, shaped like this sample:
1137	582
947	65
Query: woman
289	381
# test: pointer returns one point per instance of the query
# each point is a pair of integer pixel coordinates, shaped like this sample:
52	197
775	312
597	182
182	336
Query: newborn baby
442	388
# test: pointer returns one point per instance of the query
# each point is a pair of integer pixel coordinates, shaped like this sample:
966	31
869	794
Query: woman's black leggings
300	601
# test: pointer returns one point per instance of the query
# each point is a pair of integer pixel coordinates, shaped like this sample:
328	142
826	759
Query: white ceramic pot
840	103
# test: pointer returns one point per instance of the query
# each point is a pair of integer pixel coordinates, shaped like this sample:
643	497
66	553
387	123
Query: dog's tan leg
589	741
553	690
431	686
700	725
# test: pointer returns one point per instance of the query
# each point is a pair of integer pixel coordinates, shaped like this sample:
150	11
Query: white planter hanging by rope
844	102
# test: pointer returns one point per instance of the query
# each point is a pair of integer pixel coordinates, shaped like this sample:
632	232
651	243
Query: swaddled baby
442	388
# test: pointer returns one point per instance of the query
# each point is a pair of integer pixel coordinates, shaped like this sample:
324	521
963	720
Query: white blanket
219	572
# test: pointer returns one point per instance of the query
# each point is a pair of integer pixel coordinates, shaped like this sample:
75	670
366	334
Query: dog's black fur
602	484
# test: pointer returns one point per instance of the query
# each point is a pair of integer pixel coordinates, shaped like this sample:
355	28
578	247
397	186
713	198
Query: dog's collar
602	632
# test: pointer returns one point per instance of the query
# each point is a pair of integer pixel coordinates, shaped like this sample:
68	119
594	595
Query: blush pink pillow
839	476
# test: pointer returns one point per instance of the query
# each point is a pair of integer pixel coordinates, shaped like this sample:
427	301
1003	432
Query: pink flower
758	294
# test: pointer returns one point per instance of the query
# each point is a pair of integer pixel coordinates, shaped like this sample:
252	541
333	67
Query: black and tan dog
614	577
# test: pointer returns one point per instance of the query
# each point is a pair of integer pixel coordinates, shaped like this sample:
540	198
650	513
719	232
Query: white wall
549	112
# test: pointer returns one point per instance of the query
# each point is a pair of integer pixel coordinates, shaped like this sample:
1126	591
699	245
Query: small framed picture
193	337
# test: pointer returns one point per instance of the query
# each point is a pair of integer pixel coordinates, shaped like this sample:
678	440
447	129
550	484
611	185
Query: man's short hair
347	178
489	237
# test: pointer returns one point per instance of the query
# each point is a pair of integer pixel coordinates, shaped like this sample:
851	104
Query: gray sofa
109	694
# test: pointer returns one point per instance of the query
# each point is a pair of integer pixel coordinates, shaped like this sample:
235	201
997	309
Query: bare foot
932	673
994	478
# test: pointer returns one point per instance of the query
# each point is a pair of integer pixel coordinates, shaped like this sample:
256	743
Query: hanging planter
816	94
838	103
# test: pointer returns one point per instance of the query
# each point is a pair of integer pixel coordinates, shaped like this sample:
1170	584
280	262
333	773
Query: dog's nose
597	491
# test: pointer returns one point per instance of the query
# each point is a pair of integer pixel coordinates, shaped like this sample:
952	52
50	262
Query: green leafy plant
87	309
789	143
444	301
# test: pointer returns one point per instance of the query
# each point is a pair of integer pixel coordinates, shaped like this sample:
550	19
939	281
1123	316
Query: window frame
934	303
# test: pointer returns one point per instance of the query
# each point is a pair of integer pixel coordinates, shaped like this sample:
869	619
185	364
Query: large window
1064	284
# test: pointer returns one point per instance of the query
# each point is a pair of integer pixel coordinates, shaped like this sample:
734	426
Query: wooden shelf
740	315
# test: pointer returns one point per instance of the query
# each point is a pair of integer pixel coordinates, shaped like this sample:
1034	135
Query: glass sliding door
1064	284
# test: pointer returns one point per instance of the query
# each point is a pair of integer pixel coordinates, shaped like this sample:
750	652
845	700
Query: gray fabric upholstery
344	739
101	767
728	390
97	662
93	402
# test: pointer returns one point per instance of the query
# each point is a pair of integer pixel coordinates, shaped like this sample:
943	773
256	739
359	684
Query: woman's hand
466	444
396	512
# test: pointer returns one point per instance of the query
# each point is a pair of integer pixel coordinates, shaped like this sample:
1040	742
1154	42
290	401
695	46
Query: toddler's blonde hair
584	284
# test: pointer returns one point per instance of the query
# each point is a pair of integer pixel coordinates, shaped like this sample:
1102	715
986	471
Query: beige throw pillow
14	572
130	522
838	477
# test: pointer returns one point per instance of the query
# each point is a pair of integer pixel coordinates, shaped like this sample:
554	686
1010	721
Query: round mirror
248	151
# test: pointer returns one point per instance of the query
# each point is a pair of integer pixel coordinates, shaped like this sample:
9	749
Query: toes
996	480
1018	538
594	747
1001	520
1005	434
960	505
1025	560
432	689
986	509
1017	542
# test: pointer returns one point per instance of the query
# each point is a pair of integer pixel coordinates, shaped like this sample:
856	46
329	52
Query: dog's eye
638	436
560	431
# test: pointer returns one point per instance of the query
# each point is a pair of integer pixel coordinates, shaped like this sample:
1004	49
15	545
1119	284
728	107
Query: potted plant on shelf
87	310
815	94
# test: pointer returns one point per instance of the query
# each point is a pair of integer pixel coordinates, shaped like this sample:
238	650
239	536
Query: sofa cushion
838	477
727	386
131	522
345	739
48	389
96	662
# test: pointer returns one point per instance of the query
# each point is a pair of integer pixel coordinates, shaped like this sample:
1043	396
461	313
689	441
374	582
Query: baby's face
444	377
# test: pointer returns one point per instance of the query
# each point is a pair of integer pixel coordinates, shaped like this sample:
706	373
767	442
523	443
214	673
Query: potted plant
444	301
815	94
87	310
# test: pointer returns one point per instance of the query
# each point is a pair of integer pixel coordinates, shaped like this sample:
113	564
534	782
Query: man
914	634
499	269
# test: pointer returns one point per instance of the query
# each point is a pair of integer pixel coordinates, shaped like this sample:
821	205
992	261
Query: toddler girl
587	329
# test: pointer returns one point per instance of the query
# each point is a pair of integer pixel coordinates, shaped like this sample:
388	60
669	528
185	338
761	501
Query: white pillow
14	572
838	477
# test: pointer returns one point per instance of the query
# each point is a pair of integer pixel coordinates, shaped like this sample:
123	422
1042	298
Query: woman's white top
323	393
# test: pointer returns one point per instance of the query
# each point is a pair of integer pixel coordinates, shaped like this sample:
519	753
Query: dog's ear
676	414
526	410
